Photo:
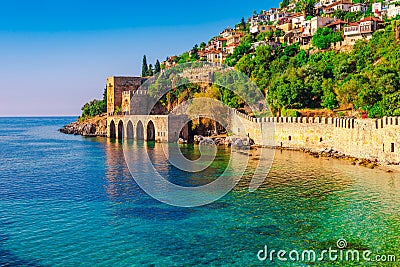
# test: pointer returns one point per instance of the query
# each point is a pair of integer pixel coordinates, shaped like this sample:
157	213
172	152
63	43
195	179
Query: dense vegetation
365	79
148	70
95	107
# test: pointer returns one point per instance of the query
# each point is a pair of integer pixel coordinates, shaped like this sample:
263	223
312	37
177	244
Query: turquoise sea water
71	201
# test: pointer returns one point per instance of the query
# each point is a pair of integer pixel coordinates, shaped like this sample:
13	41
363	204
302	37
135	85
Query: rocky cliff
96	126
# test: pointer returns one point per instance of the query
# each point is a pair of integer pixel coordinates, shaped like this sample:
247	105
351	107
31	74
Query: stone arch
150	132
139	131
129	130
112	129
120	130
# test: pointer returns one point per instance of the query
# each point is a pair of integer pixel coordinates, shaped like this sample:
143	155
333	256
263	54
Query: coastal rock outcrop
96	126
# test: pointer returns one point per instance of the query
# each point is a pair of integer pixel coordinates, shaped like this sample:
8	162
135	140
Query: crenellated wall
374	139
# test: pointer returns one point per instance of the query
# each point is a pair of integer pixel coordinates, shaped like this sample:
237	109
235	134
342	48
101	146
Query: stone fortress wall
373	139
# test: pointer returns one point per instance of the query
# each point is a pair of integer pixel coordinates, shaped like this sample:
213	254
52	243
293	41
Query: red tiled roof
231	45
213	52
371	19
336	22
353	24
337	3
298	14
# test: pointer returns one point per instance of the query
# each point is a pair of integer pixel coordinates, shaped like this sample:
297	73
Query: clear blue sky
56	55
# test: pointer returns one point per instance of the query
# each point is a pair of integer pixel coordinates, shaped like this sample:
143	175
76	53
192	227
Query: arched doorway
139	131
129	130
151	136
120	130
112	129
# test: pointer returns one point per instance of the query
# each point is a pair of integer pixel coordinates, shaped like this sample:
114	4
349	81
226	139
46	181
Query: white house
298	20
344	5
361	30
393	9
318	22
359	8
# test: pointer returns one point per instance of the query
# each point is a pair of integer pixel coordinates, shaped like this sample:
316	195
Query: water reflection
121	187
305	202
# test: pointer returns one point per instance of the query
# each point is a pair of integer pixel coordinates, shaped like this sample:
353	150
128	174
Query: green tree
339	14
239	52
324	37
306	6
269	35
203	45
145	67
261	36
329	99
284	3
195	53
243	24
184	58
150	71
157	67
94	108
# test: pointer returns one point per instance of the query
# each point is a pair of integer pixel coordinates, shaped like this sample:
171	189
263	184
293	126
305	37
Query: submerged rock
207	141
239	142
182	141
197	139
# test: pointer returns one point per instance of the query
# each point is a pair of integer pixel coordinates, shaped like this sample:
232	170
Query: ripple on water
71	201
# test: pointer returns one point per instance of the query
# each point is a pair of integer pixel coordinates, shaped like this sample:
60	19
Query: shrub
290	113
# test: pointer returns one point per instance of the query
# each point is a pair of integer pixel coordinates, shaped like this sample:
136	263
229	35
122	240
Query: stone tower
119	91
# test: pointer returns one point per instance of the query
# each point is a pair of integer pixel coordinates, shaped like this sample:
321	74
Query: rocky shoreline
330	153
245	143
96	126
235	141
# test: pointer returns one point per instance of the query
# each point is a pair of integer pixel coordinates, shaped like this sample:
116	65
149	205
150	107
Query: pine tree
195	53
145	67
157	67
243	24
150	70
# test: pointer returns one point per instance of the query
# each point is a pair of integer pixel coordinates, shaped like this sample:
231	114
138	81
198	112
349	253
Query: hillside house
344	5
337	25
318	22
216	56
360	7
362	29
393	9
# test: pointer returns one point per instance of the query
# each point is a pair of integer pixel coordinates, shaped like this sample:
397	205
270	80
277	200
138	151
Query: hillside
307	58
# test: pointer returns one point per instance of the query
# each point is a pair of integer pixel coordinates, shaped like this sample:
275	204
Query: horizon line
36	116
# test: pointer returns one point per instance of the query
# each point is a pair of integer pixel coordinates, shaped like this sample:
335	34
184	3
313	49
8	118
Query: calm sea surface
71	201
